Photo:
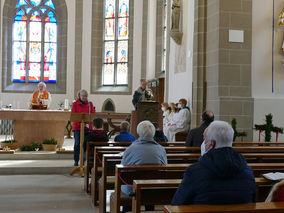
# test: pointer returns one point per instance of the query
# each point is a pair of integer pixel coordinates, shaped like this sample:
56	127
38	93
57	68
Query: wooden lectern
81	117
146	110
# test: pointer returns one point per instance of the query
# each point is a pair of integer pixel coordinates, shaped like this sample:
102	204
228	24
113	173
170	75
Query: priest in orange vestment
41	96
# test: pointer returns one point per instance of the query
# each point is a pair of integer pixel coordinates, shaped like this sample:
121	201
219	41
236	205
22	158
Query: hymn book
274	176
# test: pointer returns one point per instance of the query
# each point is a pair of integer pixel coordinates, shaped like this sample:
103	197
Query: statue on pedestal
176	13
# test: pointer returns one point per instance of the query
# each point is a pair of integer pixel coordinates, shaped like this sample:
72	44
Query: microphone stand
89	116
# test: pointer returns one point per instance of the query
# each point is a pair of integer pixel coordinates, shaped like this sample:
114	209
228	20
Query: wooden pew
161	192
100	150
130	173
110	160
273	207
142	172
258	143
90	150
90	163
106	182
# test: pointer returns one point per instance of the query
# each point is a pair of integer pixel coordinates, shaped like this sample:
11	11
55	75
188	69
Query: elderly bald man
143	151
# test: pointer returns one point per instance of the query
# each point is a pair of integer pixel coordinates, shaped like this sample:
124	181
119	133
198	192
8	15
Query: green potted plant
31	147
12	144
49	144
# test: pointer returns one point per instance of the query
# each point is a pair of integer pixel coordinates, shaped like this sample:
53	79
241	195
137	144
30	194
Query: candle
66	104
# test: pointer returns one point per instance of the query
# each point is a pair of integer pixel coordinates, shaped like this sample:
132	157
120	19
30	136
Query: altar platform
37	125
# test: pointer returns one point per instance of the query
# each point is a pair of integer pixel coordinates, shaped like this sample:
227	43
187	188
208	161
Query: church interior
226	56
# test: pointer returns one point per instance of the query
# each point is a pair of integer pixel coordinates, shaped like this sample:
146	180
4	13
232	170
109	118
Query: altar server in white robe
180	123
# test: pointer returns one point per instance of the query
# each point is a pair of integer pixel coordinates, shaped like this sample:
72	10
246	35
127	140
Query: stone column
227	65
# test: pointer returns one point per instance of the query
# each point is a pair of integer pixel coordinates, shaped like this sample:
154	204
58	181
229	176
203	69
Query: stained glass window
34	52
116	35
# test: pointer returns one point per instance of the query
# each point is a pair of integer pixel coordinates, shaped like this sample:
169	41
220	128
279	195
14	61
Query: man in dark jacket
195	136
221	176
142	93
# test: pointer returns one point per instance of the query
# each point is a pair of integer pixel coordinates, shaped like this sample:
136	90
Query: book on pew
274	176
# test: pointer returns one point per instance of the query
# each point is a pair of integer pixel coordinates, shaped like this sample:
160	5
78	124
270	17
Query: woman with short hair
81	105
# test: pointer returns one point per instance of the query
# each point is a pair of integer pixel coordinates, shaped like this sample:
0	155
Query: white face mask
179	105
163	108
203	149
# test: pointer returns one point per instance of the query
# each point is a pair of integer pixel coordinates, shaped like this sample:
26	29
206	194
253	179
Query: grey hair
143	81
124	126
221	132
41	83
81	92
146	129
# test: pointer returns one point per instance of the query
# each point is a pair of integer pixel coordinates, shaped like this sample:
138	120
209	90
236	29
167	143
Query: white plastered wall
180	83
20	100
266	101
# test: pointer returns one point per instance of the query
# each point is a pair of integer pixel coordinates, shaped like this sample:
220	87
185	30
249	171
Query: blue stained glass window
50	17
49	3
31	51
28	9
116	35
43	10
21	3
35	2
20	16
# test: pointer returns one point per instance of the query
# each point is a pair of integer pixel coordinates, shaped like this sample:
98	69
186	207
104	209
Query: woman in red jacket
81	105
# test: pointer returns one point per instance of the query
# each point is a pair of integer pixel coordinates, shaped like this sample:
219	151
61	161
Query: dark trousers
77	144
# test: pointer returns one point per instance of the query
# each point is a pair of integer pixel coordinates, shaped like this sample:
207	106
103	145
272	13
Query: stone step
39	155
15	167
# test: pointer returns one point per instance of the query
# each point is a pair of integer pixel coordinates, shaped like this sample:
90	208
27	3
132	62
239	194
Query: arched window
34	47
116	36
34	42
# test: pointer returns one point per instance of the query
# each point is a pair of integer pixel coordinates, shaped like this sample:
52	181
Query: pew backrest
273	207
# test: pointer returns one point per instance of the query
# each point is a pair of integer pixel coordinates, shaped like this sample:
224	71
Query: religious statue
281	24
176	14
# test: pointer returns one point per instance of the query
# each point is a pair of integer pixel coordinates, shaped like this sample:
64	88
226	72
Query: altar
37	125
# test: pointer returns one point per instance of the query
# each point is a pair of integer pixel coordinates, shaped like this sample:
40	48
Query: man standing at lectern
142	94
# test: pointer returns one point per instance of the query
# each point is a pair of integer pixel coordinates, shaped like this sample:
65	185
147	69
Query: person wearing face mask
180	123
195	136
221	176
81	105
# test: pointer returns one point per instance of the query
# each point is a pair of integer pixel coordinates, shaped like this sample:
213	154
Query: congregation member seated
277	193
221	176
180	123
40	97
97	133
159	134
124	135
195	136
143	151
